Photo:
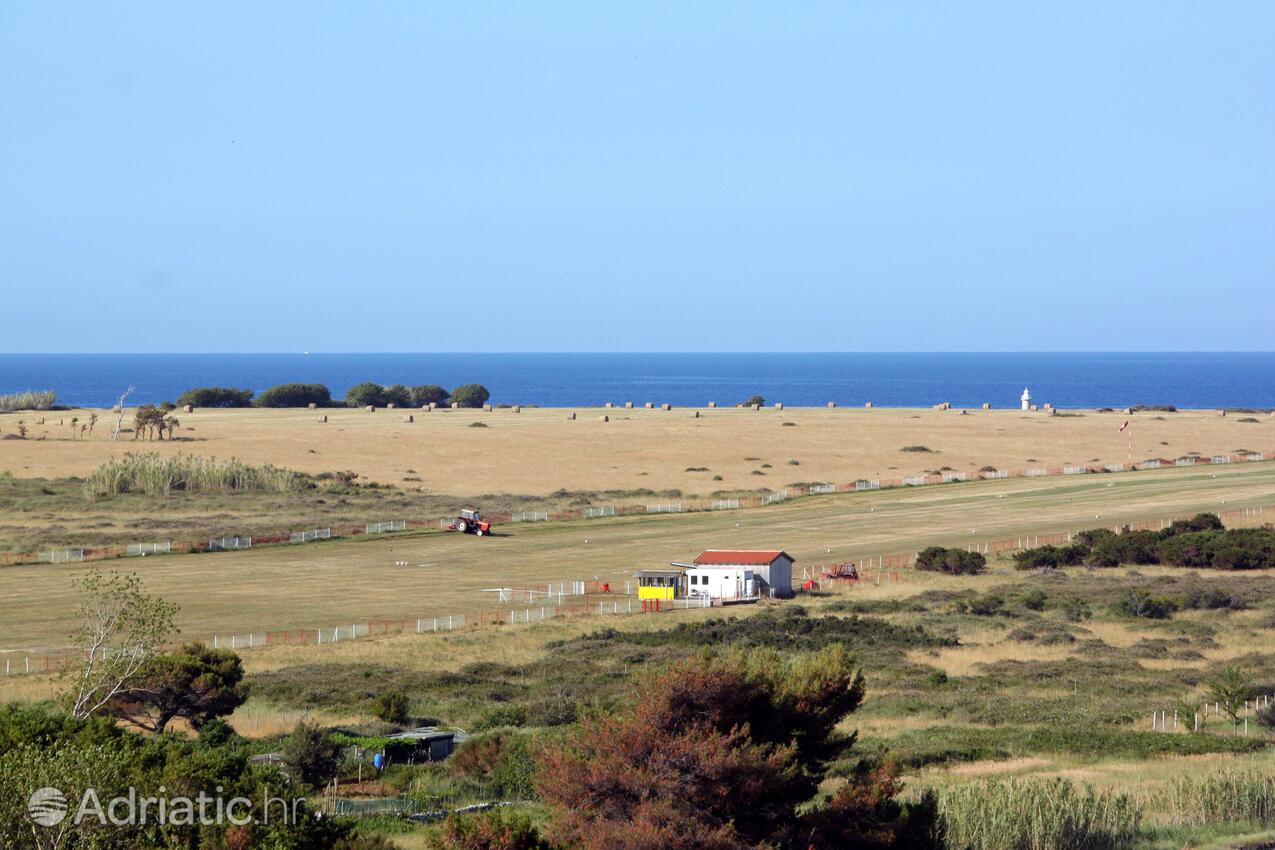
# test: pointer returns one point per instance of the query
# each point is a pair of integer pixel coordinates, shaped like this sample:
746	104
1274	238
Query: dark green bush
428	394
987	605
1035	599
215	397
294	395
1266	716
311	755
470	395
1049	557
502	715
1189	549
1132	547
955	562
1196	542
1199	522
361	395
391	706
1212	599
398	395
1075	610
1138	603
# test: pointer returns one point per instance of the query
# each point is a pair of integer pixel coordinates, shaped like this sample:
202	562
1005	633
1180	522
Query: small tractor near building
471	522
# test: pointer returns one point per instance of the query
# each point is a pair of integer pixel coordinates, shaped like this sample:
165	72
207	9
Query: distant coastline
911	380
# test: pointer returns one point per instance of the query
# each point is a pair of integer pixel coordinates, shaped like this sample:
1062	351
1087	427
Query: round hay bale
650	405
867	405
609	405
756	407
779	405
987	405
832	404
313	406
409	418
455	405
190	408
712	404
571	416
628	405
697	414
390	406
605	418
371	408
323	418
1035	407
666	406
487	408
517	408
429	406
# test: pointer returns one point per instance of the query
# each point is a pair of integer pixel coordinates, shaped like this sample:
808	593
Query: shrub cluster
371	393
1201	541
956	562
295	395
40	746
215	397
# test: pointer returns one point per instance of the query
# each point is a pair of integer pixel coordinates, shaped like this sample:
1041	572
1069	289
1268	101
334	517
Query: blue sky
637	176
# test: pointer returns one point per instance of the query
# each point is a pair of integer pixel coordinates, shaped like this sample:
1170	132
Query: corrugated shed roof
744	557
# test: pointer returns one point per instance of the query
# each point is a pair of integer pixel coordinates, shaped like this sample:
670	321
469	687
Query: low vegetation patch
295	395
955	562
215	397
1201	541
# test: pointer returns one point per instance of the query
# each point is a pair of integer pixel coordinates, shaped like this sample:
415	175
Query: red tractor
471	522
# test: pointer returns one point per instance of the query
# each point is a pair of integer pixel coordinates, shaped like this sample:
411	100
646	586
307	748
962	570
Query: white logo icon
47	806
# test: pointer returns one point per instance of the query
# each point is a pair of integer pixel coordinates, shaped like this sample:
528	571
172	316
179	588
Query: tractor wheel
479	531
462	526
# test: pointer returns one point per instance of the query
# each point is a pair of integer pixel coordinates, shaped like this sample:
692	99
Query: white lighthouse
1026	399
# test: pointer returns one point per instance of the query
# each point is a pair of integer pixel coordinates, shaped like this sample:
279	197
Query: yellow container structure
661	584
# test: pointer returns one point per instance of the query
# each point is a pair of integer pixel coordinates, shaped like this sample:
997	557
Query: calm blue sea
556	380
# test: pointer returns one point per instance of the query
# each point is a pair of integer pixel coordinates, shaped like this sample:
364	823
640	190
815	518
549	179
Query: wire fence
1211	714
560	599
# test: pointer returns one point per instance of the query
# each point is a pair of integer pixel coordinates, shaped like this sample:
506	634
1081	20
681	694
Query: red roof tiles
746	557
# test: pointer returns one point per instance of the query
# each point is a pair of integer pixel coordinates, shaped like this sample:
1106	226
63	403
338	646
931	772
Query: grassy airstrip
324	584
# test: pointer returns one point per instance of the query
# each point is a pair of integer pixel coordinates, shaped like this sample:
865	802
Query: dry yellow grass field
538	451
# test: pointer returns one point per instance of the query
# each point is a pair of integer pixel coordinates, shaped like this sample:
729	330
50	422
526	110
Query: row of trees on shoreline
360	395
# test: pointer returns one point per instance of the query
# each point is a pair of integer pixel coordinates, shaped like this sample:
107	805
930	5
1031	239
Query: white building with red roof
728	574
